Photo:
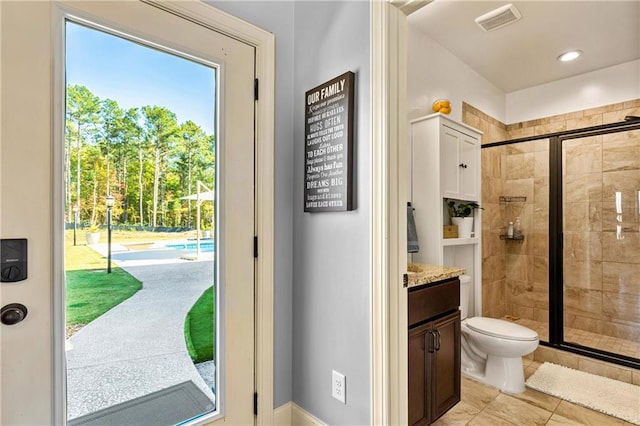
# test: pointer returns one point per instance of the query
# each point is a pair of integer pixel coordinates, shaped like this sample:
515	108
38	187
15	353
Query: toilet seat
500	328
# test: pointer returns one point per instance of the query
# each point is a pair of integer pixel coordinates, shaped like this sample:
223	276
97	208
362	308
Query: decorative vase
465	226
93	238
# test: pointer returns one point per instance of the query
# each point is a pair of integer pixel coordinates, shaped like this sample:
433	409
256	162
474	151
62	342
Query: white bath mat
618	399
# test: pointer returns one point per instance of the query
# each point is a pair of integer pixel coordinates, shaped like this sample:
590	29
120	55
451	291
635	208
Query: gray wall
277	17
322	286
331	283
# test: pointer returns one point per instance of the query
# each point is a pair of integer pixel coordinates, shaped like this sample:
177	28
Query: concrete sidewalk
138	346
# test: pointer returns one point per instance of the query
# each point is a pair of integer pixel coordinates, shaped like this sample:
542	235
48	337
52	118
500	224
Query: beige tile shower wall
515	276
493	253
493	250
607	114
526	174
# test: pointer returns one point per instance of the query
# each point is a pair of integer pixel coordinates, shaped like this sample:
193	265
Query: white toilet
492	349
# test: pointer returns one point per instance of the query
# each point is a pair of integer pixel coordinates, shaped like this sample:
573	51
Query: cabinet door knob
464	166
437	339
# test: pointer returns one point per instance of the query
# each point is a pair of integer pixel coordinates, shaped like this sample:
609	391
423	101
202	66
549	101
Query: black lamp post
75	222
110	202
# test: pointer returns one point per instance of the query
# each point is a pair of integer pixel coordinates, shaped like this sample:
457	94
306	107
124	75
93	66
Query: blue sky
134	76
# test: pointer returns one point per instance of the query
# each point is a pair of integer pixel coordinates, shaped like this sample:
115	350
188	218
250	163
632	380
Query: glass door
159	280
36	204
601	243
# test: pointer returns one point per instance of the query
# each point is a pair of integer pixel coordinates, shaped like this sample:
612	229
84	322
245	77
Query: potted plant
461	214
93	234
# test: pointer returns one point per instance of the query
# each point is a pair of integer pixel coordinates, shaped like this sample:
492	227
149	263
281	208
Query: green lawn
199	332
90	291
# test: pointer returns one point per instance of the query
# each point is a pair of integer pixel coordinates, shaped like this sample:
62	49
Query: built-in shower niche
513	206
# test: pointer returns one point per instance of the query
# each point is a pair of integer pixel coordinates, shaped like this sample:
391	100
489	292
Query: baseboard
282	415
290	414
299	417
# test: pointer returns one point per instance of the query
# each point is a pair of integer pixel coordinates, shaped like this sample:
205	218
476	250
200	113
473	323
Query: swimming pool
205	246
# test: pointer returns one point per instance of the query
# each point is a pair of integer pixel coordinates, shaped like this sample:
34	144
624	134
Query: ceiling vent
498	18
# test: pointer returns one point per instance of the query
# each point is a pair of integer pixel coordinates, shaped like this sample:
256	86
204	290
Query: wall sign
328	177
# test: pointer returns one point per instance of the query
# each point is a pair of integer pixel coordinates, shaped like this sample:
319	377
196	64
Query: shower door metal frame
556	237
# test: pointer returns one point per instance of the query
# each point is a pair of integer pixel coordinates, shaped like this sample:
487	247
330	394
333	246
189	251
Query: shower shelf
519	238
504	199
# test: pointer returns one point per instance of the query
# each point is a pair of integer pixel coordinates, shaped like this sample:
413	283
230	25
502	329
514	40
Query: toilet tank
465	295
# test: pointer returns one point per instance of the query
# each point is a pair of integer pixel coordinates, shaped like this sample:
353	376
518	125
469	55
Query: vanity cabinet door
434	369
419	345
444	365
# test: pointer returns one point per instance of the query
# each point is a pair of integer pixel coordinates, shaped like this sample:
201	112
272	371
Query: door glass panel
601	221
140	169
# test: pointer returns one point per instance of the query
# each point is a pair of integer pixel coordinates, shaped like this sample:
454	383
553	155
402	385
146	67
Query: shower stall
571	269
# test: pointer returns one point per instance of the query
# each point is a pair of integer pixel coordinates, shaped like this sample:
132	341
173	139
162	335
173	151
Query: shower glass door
601	242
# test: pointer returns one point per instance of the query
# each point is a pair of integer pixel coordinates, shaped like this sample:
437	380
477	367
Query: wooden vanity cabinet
445	365
434	350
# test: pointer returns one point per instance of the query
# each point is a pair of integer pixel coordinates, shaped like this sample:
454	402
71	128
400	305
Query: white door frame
264	44
389	179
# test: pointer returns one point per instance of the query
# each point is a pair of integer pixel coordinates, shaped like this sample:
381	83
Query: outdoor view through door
140	212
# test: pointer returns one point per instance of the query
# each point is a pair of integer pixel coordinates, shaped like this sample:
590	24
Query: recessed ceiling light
570	55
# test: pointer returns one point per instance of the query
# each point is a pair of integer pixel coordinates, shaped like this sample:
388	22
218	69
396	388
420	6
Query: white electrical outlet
338	386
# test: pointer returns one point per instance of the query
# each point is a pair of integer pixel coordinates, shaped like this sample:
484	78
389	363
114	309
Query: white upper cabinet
459	153
445	163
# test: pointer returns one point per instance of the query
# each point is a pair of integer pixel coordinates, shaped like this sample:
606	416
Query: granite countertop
422	273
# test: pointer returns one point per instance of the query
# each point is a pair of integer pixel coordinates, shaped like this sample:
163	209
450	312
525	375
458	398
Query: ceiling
523	54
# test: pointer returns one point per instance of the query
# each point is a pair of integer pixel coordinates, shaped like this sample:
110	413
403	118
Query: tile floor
486	406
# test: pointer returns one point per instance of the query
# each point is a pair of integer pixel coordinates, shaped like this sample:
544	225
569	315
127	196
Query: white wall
322	292
331	261
606	86
434	73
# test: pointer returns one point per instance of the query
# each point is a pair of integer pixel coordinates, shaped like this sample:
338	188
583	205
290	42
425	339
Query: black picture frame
328	176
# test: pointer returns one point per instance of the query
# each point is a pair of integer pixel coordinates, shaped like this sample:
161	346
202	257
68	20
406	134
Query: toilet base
506	374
